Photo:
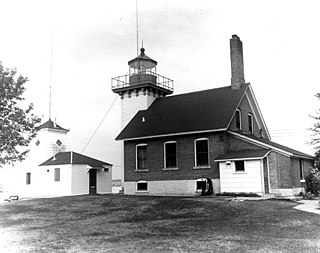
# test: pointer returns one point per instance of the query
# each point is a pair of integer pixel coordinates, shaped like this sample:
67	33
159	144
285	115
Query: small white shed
71	173
243	171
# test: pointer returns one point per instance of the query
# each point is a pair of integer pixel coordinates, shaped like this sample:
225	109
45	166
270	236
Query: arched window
250	122
238	119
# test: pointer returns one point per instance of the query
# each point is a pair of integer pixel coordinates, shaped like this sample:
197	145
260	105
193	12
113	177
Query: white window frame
195	154
139	145
240	171
251	120
164	156
144	182
196	182
240	118
301	171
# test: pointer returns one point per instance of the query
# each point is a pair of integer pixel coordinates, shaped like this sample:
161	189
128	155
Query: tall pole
51	55
137	27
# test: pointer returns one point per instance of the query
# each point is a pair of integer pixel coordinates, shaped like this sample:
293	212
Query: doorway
92	182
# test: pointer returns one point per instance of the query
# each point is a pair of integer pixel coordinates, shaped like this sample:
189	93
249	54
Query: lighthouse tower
140	87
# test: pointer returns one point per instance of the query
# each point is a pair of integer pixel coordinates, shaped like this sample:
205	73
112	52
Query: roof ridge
200	91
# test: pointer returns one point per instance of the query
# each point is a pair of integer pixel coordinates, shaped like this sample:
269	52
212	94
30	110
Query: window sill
137	192
146	170
172	168
201	167
239	172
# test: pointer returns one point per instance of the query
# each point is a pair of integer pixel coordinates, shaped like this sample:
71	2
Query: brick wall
273	172
235	144
245	110
185	158
280	171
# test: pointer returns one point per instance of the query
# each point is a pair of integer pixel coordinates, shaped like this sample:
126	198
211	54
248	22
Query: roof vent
54	158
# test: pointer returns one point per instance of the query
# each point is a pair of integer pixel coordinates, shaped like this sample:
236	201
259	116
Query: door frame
92	182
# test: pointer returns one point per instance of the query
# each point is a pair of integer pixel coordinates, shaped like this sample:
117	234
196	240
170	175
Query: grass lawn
118	223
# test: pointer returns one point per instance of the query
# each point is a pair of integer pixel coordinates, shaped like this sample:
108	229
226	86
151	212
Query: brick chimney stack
237	71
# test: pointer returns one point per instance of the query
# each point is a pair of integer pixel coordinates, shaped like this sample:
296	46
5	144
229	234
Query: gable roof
51	125
208	110
271	144
243	155
65	158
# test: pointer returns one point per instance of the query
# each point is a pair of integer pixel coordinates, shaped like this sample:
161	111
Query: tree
17	125
315	140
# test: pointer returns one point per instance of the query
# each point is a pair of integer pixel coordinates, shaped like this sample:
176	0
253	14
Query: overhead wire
94	133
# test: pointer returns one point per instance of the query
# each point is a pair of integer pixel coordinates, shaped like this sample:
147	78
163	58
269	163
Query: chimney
237	72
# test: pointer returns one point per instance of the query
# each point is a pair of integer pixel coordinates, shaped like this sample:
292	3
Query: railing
124	81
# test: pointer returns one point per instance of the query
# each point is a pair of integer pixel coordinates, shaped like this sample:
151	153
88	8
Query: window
250	123
59	143
170	154
142	186
201	184
57	174
28	178
238	119
301	169
141	157
202	152
239	166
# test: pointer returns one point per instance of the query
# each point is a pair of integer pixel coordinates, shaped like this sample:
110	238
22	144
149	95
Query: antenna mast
50	75
137	27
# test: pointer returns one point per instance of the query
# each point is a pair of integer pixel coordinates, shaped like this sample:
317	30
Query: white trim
259	111
262	176
252	111
142	181
301	170
240	171
240	118
175	134
164	156
240	159
251	116
195	184
286	153
237	107
195	154
139	145
244	158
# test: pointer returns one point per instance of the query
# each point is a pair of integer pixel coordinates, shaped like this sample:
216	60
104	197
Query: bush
313	181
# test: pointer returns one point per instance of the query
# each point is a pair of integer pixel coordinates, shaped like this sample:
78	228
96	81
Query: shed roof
208	110
51	125
243	155
275	145
65	158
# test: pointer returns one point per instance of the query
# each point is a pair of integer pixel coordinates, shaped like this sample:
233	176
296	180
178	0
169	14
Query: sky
78	46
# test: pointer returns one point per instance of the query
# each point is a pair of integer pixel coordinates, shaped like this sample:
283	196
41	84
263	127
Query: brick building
208	140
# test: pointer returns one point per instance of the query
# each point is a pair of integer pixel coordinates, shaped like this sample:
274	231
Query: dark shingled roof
65	158
51	125
206	110
234	155
278	146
